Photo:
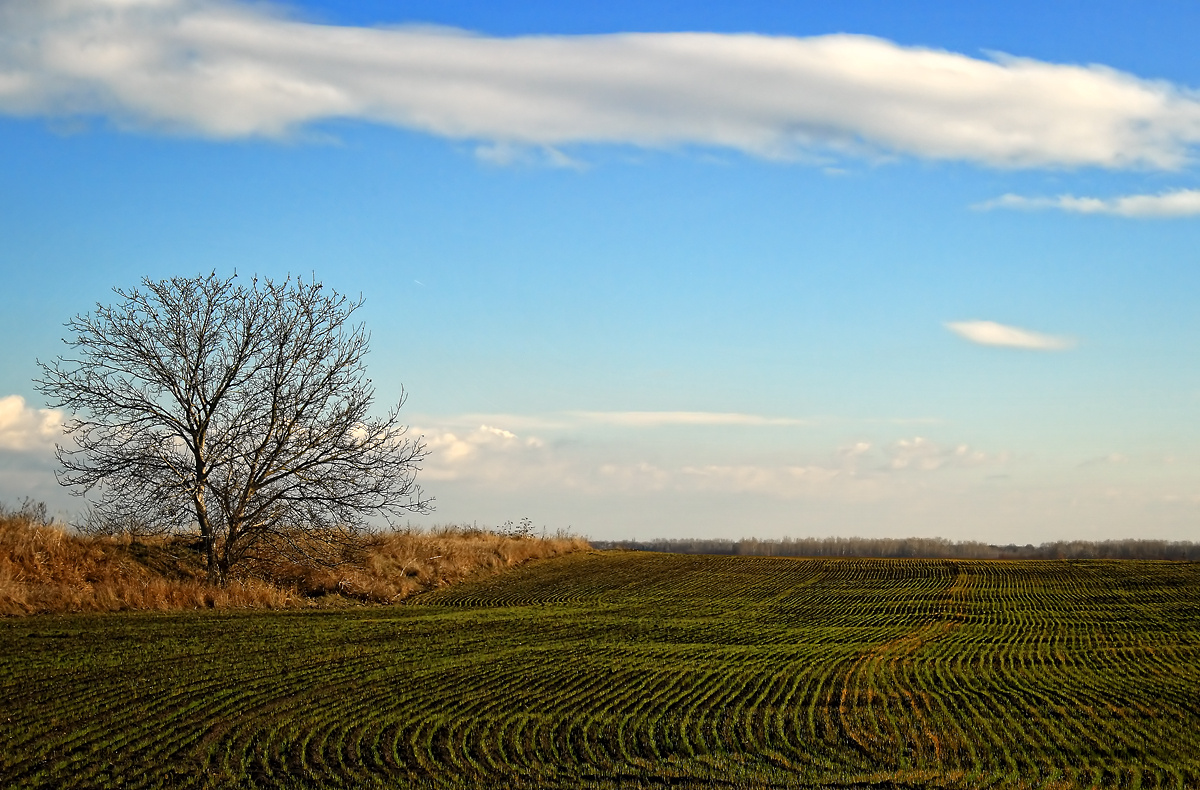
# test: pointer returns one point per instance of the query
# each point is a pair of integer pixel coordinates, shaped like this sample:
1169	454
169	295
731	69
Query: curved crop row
627	669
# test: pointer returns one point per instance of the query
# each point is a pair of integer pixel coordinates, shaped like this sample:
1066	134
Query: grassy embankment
45	568
623	669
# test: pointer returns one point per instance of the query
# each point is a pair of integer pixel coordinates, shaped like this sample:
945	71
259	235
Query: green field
636	670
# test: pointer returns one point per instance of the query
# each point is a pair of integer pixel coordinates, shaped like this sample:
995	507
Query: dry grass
46	568
395	565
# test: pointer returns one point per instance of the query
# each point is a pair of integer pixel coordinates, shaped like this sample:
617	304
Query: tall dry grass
394	565
46	568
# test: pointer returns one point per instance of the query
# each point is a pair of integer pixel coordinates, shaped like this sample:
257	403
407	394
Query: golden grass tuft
45	568
395	565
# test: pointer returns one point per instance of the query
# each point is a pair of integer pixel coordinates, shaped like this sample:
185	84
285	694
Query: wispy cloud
1165	205
23	428
652	419
230	69
749	478
505	154
774	480
990	333
1112	459
558	422
925	455
497	459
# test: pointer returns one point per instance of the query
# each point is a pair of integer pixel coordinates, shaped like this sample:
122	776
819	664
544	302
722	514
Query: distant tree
929	548
238	413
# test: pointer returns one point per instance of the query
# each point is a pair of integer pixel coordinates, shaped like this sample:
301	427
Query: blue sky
857	268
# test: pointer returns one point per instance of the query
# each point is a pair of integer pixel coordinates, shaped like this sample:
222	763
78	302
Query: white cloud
923	455
653	419
485	453
990	333
450	448
781	481
1165	205
858	470
515	422
503	434
749	478
505	154
498	460
23	428
566	421
639	476
227	69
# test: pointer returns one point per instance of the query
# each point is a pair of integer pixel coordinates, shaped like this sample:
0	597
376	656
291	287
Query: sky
659	269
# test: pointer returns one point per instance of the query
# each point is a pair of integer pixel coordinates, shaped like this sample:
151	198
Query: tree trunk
211	561
216	574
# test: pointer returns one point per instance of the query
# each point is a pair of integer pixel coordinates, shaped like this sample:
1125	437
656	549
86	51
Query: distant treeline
935	548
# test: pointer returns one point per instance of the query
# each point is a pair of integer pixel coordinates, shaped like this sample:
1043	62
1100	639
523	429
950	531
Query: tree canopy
238	412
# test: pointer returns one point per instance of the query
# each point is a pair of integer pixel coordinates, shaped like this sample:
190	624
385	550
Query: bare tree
239	413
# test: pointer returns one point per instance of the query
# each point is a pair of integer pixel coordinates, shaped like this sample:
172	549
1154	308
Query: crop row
628	669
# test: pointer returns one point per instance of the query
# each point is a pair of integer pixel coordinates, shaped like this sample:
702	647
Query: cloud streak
654	419
497	459
231	70
1165	205
921	454
990	333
